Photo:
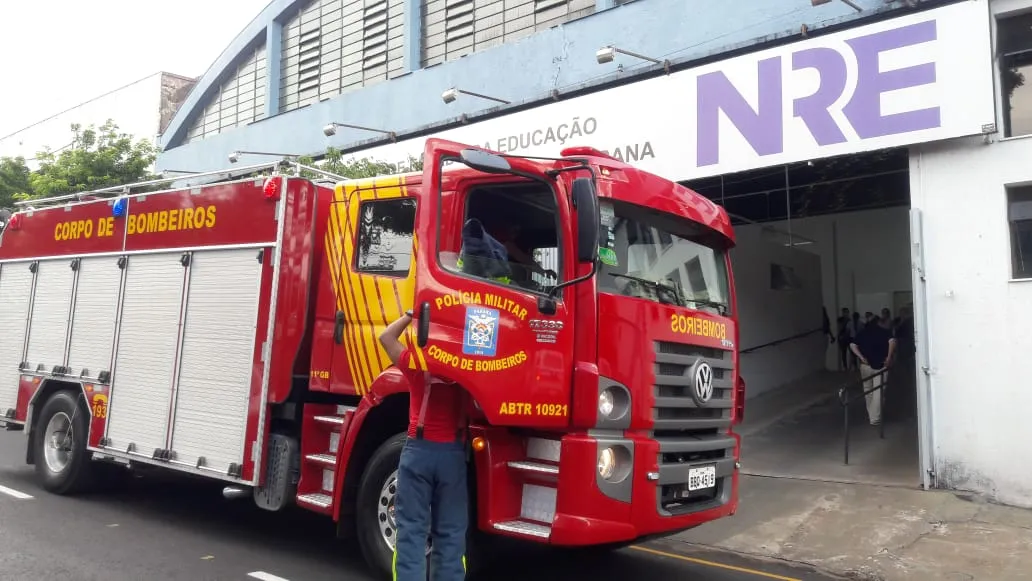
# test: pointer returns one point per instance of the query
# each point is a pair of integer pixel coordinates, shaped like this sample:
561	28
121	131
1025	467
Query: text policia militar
179	219
478	298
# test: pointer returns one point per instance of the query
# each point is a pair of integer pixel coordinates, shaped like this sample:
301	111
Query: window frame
1012	233
461	211
394	274
1001	11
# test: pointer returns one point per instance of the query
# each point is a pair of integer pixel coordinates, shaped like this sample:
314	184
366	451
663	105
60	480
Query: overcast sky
55	54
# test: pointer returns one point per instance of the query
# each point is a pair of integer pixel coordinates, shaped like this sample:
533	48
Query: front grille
690	434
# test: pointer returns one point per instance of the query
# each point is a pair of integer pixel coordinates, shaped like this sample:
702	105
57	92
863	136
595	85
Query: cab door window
385	232
509	236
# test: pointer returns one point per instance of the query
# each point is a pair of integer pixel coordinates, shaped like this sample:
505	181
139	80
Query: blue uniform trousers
432	499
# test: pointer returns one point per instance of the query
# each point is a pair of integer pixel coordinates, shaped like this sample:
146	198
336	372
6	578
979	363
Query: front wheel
374	515
62	462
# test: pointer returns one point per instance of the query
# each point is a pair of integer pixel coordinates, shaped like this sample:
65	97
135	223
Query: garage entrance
823	250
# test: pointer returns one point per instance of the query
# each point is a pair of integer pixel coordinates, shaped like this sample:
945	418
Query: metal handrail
846	401
782	340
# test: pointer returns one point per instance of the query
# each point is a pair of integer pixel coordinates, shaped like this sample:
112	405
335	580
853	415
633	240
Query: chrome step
332	420
324	459
316	499
524	528
343	409
534	467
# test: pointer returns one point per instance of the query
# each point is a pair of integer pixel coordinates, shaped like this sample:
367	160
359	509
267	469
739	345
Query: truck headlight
606	403
614	404
606	463
614	463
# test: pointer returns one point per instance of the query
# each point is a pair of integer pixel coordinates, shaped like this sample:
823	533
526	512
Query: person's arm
892	351
391	337
856	351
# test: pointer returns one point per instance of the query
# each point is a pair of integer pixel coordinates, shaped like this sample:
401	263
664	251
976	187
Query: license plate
702	477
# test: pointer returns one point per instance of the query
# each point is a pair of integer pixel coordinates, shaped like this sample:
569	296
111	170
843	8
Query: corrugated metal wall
332	46
240	99
455	28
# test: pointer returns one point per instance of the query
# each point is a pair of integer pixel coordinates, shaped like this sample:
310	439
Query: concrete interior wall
867	251
978	318
767	315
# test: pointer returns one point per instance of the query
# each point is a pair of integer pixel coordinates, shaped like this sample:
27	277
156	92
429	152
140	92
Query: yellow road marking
713	564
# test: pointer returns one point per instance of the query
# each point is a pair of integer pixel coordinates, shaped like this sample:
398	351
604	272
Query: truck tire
63	465
374	492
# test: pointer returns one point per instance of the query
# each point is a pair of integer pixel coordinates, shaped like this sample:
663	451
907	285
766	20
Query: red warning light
271	189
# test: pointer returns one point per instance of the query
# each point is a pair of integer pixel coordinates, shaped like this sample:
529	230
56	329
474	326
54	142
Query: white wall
767	315
979	320
869	250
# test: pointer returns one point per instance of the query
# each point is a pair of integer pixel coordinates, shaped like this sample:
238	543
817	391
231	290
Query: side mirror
484	161
423	325
586	202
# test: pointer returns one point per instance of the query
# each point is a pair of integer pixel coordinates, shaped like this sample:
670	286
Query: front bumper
591	511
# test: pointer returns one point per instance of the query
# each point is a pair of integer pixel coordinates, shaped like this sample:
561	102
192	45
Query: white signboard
917	78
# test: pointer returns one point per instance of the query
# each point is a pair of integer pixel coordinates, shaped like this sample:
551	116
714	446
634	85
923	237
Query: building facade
733	87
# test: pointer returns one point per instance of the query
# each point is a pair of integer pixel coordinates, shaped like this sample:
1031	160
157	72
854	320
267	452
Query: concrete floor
797	432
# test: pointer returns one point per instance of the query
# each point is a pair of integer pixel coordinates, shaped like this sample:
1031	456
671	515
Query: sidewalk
875	532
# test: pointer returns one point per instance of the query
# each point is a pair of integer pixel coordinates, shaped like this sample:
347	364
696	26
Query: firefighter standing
432	495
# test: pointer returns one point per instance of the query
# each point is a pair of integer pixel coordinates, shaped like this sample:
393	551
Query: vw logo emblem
702	382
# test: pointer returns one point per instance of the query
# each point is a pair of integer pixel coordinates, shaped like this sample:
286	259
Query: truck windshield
661	257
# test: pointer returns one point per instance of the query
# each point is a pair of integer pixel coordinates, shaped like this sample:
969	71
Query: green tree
14	180
357	168
97	158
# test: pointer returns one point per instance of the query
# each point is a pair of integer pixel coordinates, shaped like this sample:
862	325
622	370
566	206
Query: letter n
762	128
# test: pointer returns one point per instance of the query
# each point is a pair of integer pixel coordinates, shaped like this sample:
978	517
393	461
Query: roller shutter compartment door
15	295
48	331
211	401
141	392
94	316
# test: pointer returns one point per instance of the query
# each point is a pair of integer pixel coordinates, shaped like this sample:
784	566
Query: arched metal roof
258	29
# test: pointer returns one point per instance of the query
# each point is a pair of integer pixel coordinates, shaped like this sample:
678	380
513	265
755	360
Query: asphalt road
174	529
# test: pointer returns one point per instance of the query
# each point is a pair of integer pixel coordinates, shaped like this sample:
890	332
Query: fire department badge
481	334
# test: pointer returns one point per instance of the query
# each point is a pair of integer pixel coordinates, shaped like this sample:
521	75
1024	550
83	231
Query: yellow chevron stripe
373	301
367	341
363	374
334	235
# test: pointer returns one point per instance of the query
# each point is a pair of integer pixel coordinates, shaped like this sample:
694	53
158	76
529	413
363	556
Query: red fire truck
229	330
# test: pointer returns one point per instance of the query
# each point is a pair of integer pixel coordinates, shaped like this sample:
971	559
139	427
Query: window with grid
1014	48
455	28
333	46
240	99
1019	215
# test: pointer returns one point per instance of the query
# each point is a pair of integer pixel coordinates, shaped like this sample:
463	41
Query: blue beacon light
118	210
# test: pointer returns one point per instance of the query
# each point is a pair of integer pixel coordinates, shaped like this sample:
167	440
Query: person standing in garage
432	491
874	348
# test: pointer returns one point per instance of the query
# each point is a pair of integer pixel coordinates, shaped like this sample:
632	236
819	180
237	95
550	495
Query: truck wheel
63	465
374	515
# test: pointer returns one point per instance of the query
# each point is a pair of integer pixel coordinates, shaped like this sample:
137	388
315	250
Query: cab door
509	345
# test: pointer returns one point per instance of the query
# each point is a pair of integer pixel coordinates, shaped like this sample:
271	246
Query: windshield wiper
681	302
657	285
721	307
